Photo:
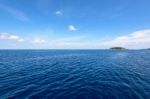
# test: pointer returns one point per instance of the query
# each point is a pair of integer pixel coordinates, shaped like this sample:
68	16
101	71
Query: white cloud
15	13
135	40
138	39
38	40
72	28
60	43
6	36
58	12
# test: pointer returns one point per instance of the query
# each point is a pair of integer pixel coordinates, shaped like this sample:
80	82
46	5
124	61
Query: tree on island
118	48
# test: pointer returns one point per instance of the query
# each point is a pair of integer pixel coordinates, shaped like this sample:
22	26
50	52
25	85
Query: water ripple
74	74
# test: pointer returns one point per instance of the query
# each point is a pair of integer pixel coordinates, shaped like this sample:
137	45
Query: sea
74	74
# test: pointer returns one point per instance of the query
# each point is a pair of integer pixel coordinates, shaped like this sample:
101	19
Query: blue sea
74	74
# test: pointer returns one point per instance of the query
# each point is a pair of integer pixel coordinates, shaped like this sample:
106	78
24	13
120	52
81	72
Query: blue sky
74	24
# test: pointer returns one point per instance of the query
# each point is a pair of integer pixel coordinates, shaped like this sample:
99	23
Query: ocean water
74	74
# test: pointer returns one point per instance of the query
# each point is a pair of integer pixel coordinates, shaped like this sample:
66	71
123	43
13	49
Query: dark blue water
74	74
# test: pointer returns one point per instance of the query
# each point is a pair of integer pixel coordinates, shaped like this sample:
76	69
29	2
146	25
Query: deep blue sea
74	74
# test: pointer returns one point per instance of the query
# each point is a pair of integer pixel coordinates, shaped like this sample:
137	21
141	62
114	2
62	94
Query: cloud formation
67	42
15	13
58	12
6	36
72	28
138	39
38	40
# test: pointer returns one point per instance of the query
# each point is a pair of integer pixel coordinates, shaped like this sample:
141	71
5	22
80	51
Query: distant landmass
118	48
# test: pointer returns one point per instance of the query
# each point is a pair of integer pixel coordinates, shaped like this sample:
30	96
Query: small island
118	48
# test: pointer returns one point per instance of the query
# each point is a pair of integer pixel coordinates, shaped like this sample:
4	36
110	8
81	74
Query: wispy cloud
15	12
68	42
59	12
138	39
6	36
72	28
38	40
135	40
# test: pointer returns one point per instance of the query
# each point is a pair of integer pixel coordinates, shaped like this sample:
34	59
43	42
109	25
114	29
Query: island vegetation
118	48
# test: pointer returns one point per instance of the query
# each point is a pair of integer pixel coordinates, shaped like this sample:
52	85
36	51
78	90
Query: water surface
74	74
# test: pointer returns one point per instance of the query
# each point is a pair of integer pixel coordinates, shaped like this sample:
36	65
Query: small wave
75	75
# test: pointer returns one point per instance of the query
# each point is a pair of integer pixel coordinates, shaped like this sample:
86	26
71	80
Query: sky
74	24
